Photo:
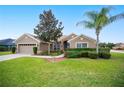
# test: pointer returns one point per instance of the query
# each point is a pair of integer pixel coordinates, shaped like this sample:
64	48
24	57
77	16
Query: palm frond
106	10
101	21
86	24
91	14
116	17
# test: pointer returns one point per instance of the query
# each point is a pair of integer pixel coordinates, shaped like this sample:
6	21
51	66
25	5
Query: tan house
119	46
26	42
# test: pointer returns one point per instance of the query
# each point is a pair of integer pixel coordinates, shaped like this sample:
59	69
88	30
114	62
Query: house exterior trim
28	36
81	42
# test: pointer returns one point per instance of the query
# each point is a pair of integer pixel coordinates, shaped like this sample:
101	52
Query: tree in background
49	28
109	45
98	20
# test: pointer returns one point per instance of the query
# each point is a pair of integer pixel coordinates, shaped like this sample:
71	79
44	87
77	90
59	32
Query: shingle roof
82	35
62	37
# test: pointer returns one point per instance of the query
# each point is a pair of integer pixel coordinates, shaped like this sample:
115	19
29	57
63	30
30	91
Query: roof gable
83	36
28	35
66	38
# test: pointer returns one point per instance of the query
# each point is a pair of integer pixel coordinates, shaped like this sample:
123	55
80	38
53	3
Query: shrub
58	52
92	55
109	45
44	53
84	53
73	54
104	55
87	52
80	49
88	49
100	54
35	50
107	50
13	50
3	48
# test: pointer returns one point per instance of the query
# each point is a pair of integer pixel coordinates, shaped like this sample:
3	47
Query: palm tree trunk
97	43
48	48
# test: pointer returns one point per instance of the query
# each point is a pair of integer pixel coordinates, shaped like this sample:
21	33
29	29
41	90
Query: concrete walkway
117	51
12	56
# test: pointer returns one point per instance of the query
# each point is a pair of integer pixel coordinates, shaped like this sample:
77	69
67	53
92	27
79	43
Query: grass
5	53
70	72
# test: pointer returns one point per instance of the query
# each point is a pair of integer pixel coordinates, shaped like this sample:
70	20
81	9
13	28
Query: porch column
62	46
37	46
17	49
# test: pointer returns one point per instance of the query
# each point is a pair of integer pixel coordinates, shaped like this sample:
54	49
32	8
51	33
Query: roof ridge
87	36
83	36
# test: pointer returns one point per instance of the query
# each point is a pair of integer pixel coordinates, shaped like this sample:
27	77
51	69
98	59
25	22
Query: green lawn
5	53
70	72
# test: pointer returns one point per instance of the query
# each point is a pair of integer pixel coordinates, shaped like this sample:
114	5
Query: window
81	45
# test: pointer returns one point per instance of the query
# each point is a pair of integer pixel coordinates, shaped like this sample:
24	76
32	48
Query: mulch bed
55	59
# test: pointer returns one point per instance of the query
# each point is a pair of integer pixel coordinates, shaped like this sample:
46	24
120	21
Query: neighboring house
119	46
26	42
8	43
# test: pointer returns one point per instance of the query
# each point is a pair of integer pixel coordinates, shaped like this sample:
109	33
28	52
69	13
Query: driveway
12	56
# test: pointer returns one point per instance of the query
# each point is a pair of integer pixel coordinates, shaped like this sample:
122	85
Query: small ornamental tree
35	50
13	50
49	28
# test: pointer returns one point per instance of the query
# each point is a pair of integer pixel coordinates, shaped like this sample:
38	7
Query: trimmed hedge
104	55
80	49
89	49
84	53
88	52
105	50
44	53
57	52
73	54
92	55
3	48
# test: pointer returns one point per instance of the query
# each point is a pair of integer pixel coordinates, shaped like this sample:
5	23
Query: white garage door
26	48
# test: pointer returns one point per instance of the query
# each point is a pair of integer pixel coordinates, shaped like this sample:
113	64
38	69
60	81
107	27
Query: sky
17	20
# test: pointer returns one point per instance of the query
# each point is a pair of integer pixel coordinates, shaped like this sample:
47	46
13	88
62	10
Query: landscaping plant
104	55
92	55
13	50
97	20
35	50
49	28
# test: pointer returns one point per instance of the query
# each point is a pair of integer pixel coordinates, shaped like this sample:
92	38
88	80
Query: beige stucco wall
26	40
43	47
91	43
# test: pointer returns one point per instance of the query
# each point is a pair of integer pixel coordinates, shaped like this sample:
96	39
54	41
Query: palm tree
98	20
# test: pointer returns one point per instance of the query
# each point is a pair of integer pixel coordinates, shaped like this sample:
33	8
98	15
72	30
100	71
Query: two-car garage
26	48
25	44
